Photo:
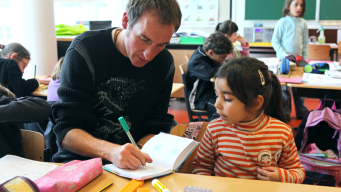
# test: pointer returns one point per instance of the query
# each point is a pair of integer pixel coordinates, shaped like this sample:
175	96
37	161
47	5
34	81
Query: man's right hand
129	157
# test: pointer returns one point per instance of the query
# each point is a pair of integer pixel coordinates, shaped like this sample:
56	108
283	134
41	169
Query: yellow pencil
105	187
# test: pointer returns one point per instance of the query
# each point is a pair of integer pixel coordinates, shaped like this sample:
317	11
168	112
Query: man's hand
268	174
129	156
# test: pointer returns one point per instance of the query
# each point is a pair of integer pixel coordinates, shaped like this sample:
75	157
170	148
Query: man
111	73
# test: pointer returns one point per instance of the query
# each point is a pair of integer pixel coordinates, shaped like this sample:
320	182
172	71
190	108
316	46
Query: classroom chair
191	112
319	52
188	56
179	130
339	49
33	144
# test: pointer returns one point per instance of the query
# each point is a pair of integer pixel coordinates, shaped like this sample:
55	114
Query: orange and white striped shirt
237	150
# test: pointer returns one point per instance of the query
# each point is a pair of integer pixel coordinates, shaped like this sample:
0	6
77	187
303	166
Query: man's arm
125	156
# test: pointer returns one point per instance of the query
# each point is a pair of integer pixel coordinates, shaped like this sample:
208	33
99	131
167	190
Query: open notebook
167	151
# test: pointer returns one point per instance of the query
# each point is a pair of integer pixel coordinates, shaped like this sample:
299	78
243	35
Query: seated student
230	29
54	84
202	66
250	140
13	112
14	58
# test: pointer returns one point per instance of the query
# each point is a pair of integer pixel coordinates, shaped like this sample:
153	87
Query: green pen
126	129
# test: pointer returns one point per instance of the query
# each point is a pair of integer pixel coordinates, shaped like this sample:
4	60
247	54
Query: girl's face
230	109
296	8
23	64
233	37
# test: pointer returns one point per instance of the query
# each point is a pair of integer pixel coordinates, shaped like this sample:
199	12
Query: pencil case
70	176
318	68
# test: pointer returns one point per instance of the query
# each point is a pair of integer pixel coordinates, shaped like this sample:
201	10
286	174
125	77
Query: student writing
14	59
203	64
250	139
230	28
291	37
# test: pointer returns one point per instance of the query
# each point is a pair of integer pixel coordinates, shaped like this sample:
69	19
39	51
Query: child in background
250	140
202	66
291	37
13	112
14	58
54	84
230	29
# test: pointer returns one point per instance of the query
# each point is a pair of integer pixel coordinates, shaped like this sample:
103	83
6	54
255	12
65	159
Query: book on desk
167	151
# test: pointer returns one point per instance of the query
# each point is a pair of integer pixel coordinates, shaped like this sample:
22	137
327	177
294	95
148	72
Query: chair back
339	49
188	56
33	144
179	130
319	52
199	113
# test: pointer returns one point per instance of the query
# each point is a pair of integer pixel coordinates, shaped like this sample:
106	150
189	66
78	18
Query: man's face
146	39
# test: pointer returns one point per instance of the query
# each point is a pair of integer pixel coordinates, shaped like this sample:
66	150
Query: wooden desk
41	91
177	181
314	91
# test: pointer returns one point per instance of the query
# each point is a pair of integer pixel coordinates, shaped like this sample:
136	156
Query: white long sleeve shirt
291	36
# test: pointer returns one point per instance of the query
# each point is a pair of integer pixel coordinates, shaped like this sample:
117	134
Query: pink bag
71	176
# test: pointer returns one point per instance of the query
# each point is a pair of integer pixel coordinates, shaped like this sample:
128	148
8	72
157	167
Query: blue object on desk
285	66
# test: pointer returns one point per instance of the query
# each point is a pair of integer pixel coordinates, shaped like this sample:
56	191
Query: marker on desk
105	187
35	69
159	187
126	129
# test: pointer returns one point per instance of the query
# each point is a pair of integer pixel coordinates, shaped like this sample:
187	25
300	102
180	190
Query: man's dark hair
219	43
168	11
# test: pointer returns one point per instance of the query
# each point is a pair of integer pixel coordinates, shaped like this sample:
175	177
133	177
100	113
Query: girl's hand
268	174
241	39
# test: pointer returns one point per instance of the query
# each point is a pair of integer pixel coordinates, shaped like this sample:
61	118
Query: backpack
318	134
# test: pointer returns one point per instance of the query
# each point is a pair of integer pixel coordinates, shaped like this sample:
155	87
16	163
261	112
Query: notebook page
164	149
142	172
12	166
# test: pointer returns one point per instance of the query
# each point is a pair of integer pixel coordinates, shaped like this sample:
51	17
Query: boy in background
202	66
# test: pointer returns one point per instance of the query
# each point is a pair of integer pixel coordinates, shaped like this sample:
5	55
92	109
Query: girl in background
250	139
54	84
14	59
291	37
230	29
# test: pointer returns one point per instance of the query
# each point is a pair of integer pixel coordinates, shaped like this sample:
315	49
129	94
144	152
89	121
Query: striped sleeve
245	49
204	161
290	168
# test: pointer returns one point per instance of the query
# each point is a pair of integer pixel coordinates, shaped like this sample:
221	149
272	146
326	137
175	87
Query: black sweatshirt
11	78
98	85
13	112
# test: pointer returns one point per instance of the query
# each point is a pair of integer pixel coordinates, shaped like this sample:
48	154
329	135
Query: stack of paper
320	79
12	166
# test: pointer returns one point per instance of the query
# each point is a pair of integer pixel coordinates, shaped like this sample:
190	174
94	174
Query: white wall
238	16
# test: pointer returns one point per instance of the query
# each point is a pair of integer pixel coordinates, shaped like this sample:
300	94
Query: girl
250	139
13	112
291	37
14	58
54	84
230	29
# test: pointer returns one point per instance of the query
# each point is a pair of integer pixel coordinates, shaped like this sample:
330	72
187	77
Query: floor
178	109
